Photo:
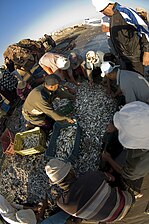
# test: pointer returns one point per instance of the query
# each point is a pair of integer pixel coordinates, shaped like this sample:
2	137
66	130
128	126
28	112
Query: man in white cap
133	85
133	133
129	35
57	64
89	196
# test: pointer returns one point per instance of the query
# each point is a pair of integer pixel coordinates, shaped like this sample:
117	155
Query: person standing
129	35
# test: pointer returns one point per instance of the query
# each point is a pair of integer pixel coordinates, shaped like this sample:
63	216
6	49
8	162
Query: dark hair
109	57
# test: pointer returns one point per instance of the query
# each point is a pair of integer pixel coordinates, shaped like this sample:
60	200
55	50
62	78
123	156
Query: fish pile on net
24	177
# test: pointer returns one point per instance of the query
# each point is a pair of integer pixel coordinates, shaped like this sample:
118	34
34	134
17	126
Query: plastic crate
51	150
18	142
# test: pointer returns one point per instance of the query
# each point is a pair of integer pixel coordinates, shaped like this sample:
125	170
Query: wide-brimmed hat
21	84
132	122
107	67
63	63
57	170
100	5
26	216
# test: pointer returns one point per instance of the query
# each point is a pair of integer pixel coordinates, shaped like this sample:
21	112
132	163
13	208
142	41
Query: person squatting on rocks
129	35
76	67
133	133
92	65
132	85
57	64
38	109
89	196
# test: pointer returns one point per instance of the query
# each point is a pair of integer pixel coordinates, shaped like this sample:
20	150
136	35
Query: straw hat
57	170
132	122
21	84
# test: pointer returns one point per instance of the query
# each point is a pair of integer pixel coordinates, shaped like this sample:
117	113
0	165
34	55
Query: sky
20	19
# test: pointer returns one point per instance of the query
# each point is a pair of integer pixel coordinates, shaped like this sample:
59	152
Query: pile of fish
24	177
30	141
65	142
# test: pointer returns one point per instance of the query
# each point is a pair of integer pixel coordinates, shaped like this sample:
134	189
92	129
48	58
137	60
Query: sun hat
107	67
21	84
132	122
63	63
57	170
100	5
26	216
51	80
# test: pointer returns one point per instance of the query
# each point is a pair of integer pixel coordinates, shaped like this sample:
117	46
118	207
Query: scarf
131	17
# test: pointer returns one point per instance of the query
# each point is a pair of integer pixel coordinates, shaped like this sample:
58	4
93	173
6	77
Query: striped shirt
90	197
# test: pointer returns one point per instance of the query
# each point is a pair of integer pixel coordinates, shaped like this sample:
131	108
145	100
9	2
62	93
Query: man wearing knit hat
89	196
133	85
129	35
133	133
38	108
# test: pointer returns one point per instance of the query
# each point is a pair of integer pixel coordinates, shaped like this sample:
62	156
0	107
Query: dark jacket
91	197
127	43
38	105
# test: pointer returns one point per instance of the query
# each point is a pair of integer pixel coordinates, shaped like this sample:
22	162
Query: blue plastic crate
51	150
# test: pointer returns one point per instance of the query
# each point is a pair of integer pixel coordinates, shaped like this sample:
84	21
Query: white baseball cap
100	5
63	63
107	67
132	122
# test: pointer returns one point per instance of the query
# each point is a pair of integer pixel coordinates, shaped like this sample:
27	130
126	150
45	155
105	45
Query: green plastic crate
18	142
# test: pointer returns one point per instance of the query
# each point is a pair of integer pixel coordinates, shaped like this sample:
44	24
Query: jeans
58	218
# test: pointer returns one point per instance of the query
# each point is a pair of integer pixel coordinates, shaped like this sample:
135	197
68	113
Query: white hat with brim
63	63
107	67
100	5
132	122
26	216
57	170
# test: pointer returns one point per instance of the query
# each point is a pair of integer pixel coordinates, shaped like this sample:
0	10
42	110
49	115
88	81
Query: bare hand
71	121
111	128
146	58
106	156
